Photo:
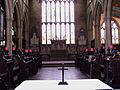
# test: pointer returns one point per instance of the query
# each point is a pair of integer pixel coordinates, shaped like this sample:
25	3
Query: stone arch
89	28
107	18
19	23
18	11
98	10
26	29
117	23
88	20
26	25
7	9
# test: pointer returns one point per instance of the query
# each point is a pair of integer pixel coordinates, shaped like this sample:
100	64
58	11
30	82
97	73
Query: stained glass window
62	12
53	31
67	33
114	29
48	33
48	12
58	21
43	33
71	11
43	11
58	31
57	11
72	33
103	33
63	31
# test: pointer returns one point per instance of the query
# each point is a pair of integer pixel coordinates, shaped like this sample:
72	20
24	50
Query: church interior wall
20	10
96	21
35	22
29	13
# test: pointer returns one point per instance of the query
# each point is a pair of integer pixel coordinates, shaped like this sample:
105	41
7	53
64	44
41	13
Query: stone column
9	19
9	35
108	41
21	29
27	31
89	38
20	37
97	36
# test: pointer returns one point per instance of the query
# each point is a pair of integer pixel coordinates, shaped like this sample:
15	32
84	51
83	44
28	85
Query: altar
58	49
83	84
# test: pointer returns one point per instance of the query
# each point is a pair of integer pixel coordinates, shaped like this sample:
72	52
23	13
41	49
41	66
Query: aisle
52	73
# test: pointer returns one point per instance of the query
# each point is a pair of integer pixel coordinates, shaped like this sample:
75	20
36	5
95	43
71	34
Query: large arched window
103	33
58	21
114	29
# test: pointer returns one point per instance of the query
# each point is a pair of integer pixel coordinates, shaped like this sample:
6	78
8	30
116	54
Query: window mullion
60	19
64	12
46	20
70	32
55	10
55	19
69	22
46	32
50	12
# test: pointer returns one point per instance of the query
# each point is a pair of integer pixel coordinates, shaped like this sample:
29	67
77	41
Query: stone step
58	59
58	63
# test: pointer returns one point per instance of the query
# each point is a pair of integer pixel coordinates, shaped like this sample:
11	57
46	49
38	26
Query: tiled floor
52	73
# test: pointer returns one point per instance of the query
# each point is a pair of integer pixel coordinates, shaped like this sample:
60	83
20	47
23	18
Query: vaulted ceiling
116	8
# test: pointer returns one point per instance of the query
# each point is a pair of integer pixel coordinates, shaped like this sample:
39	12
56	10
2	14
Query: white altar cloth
82	84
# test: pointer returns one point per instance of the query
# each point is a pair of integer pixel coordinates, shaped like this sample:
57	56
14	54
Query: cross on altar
63	82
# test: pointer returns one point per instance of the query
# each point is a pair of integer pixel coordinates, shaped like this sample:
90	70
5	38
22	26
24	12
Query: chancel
37	36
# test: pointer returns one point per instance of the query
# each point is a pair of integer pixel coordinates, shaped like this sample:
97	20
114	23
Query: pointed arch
17	10
89	28
114	32
96	23
97	12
